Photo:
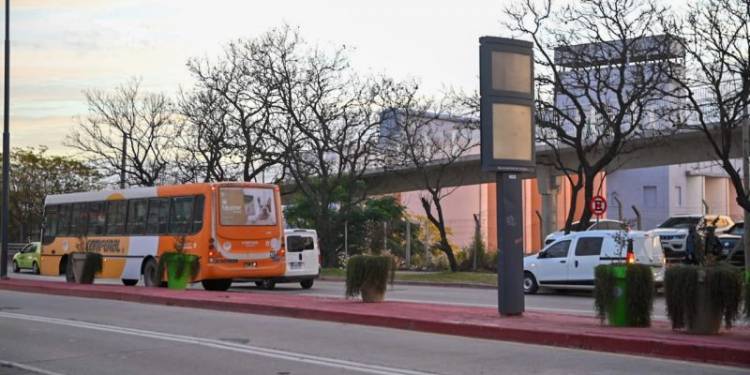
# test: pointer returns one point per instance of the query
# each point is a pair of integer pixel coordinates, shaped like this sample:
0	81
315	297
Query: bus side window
97	218
79	219
181	215
158	216
63	225
198	214
50	222
137	216
116	213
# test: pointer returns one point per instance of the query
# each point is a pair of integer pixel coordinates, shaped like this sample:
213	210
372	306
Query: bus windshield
241	206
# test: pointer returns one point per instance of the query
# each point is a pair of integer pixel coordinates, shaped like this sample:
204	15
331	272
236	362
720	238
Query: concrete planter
372	295
85	266
707	320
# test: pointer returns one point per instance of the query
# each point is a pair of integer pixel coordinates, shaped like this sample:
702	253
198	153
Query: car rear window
588	246
296	244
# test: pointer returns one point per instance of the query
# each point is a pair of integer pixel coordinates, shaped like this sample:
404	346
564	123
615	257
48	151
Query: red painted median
731	347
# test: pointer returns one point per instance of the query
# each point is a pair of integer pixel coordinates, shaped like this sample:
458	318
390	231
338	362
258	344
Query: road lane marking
28	368
222	345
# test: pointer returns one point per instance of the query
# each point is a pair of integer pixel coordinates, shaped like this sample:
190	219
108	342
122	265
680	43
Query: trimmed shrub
681	285
639	293
369	272
93	264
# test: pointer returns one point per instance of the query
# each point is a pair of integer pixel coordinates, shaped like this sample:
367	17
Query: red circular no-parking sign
598	205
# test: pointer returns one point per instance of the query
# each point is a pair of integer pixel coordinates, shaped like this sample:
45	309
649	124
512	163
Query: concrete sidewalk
730	348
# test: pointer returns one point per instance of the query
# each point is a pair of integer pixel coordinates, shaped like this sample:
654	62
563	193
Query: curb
422	283
628	342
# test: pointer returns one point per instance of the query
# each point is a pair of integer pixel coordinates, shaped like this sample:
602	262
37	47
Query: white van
302	259
569	262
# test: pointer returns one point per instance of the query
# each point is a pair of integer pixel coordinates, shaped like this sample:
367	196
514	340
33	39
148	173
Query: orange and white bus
235	228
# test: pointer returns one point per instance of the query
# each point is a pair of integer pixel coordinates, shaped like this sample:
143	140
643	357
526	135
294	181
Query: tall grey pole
746	174
510	244
745	156
6	148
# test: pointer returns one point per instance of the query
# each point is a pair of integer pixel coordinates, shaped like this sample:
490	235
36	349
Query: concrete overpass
678	148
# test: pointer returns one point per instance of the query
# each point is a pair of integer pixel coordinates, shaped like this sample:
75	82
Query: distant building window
678	192
649	196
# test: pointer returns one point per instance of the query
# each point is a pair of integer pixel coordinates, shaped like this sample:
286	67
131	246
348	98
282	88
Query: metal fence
13	248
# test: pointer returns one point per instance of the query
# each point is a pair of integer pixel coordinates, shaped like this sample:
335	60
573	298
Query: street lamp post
506	74
6	148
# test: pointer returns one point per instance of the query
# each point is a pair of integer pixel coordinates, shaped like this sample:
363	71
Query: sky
59	48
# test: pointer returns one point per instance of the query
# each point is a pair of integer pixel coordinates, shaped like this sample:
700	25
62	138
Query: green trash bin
182	263
618	311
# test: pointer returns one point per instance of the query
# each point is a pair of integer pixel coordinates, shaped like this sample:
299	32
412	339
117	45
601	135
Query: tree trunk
588	195
439	223
446	248
575	189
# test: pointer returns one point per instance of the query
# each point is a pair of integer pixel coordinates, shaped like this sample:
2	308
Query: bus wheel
16	269
35	268
267	284
306	284
151	277
129	282
218	285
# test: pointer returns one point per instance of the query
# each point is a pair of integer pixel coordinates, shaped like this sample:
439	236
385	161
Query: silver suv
673	232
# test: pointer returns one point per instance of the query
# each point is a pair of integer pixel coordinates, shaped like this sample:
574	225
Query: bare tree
602	67
131	123
204	147
424	134
716	83
231	107
325	121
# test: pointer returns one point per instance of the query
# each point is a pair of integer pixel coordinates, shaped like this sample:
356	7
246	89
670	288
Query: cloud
49	131
62	4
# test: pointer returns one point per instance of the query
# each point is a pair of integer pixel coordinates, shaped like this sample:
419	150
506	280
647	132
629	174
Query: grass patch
484	278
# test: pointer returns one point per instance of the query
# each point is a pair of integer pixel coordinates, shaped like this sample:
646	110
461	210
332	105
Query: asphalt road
572	302
580	303
67	335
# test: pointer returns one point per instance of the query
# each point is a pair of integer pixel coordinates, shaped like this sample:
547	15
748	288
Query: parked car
598	225
28	258
728	242
673	232
735	255
302	259
738	229
569	262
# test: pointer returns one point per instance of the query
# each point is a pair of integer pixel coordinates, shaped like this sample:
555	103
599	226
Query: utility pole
346	239
745	156
124	159
6	149
385	237
746	165
408	244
